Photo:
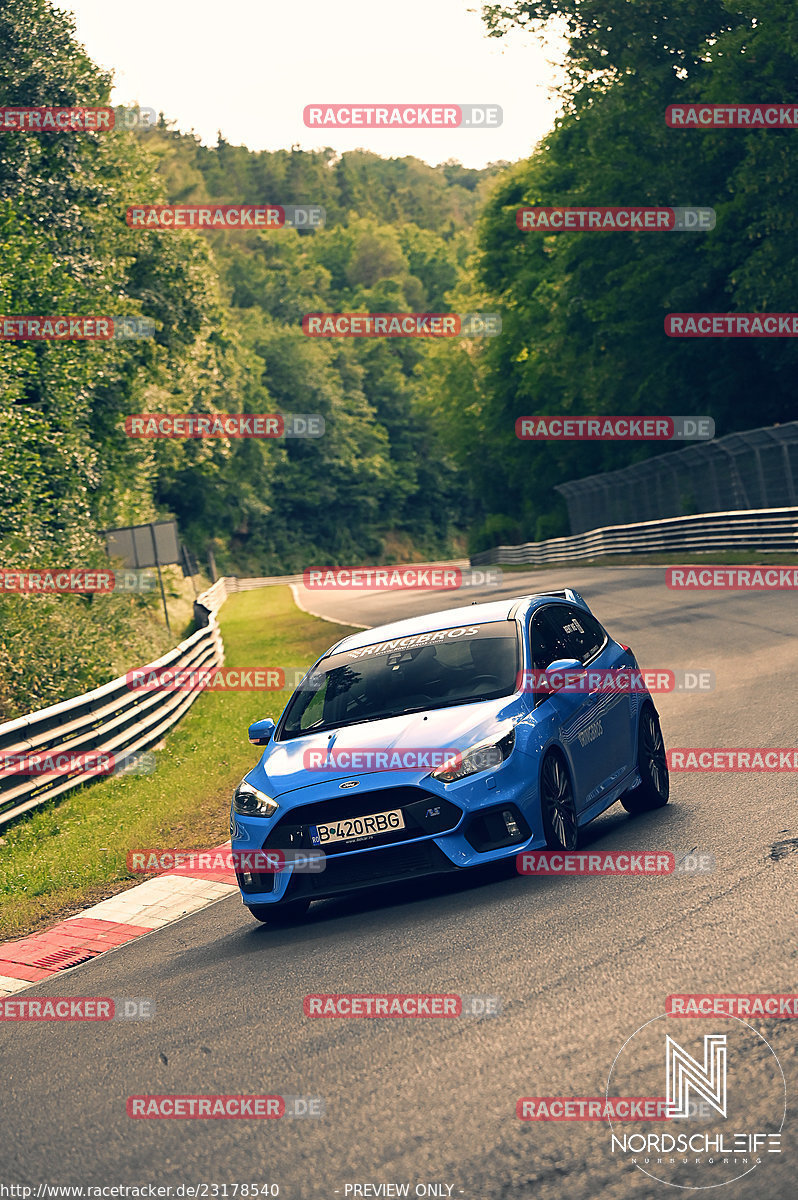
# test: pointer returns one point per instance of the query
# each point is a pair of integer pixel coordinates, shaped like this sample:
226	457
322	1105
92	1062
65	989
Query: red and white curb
128	915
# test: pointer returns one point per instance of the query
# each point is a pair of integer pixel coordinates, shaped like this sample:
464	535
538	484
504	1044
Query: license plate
356	829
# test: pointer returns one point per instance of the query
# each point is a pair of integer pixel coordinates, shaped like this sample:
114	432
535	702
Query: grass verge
65	856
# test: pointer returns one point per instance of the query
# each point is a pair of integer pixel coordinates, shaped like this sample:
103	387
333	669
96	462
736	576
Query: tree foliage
584	312
227	309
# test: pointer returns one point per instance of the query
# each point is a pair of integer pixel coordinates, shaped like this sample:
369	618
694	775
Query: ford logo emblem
349	784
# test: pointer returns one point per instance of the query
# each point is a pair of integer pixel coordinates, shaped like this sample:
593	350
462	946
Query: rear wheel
280	914
652	763
557	805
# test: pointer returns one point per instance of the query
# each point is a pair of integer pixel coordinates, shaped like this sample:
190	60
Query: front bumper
447	828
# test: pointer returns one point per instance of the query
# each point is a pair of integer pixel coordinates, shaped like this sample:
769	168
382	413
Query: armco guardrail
247	585
756	529
112	719
118	721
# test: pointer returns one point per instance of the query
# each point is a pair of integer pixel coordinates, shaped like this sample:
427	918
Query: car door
593	647
592	725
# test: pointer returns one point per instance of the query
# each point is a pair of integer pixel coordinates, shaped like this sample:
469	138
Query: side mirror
565	674
260	732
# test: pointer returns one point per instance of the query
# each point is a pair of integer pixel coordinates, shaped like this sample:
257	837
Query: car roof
446	618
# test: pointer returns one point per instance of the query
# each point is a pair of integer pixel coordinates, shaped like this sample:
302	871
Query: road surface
578	964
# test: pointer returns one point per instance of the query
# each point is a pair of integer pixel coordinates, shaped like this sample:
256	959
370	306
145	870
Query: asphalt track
579	964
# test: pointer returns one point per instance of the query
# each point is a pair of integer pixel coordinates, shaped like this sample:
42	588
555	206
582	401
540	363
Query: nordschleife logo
725	1102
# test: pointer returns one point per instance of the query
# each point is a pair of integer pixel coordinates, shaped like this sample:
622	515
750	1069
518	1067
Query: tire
280	914
557	805
652	763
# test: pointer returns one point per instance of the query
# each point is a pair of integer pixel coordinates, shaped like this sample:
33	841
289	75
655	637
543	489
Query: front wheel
280	914
652	763
557	805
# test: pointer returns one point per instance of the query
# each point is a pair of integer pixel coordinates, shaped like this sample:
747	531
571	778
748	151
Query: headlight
252	803
479	758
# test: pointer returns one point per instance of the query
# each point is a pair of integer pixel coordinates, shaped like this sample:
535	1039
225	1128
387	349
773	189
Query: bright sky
249	67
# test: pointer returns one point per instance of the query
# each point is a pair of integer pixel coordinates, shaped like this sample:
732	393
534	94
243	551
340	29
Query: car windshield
410	674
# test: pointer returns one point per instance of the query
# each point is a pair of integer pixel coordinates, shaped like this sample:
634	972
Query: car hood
456	728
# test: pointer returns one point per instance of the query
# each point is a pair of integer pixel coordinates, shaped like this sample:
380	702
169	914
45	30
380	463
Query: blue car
435	744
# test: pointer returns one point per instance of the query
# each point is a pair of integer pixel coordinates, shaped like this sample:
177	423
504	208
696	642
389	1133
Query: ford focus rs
441	743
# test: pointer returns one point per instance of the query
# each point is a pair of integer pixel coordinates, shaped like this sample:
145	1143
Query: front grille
425	815
370	868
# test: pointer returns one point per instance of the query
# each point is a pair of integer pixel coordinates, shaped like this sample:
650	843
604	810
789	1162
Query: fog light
511	823
247	877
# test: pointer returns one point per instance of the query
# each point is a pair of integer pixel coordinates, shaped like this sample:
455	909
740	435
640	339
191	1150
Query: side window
542	640
577	633
559	641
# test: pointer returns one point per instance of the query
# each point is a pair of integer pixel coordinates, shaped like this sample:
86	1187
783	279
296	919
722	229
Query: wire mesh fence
755	469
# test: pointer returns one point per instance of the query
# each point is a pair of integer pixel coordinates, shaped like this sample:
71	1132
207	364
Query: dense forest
419	457
583	313
227	309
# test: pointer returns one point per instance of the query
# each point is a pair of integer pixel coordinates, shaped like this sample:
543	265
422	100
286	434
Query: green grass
65	856
703	557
